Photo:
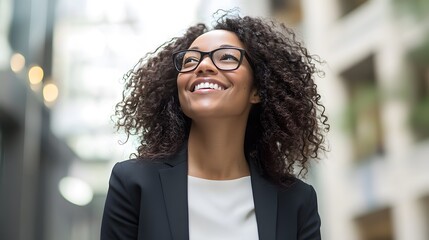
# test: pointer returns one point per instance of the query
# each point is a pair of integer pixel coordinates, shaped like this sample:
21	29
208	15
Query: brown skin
218	117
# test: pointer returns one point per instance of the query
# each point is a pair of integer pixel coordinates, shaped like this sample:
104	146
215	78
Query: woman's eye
190	60
229	57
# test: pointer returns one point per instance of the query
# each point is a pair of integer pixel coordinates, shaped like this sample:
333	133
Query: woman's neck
216	151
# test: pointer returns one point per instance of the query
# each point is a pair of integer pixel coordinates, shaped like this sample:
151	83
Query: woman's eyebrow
227	45
221	46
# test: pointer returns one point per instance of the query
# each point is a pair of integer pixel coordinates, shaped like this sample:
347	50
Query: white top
221	209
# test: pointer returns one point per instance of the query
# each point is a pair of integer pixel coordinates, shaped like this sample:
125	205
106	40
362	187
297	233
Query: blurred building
374	183
34	163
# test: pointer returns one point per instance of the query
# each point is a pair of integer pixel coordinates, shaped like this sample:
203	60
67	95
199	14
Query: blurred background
61	65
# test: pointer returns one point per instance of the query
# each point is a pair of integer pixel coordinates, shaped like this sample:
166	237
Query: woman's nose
206	65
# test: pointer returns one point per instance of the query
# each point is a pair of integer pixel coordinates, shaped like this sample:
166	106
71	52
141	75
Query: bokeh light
76	191
35	75
17	62
50	92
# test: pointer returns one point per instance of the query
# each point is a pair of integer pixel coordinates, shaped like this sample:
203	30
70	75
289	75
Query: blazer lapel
265	200
174	186
175	189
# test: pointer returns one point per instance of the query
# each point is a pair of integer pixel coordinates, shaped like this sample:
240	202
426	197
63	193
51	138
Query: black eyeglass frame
210	54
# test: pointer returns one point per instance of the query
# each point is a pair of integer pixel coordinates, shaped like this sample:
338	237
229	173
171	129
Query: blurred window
417	9
287	11
362	114
419	113
348	6
376	225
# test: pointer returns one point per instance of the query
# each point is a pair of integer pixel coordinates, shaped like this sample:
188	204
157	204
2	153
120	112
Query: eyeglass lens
223	59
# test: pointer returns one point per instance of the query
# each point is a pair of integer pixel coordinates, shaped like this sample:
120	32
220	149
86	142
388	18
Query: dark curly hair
285	130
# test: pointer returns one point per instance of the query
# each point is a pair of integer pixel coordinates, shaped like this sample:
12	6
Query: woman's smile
203	84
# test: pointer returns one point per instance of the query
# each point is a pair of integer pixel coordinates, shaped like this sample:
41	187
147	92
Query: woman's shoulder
138	166
137	171
141	163
299	189
147	167
300	185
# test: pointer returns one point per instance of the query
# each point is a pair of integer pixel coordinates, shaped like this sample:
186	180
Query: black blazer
147	200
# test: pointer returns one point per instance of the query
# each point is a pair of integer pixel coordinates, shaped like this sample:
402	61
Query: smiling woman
228	120
225	67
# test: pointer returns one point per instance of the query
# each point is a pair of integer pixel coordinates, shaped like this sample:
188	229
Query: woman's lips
207	84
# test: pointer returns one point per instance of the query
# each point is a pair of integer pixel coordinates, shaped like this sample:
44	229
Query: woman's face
231	93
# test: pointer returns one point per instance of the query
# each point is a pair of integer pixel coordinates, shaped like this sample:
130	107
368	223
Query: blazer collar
174	182
265	200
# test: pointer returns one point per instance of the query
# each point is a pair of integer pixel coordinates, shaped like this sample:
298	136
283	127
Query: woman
228	120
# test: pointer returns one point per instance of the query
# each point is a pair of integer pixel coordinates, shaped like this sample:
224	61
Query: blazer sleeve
309	223
120	216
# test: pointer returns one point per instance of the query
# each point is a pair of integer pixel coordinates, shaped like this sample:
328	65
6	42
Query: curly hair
284	131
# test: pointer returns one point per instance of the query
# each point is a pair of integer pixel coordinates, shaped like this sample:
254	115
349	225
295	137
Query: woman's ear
254	97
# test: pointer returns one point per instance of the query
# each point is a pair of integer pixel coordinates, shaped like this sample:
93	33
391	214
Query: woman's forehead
215	39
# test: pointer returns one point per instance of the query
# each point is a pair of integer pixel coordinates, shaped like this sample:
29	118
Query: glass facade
362	114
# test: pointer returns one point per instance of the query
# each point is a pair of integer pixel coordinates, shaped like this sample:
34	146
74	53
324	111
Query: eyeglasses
226	59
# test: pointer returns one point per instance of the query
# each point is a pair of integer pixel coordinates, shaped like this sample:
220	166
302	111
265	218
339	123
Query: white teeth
207	86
